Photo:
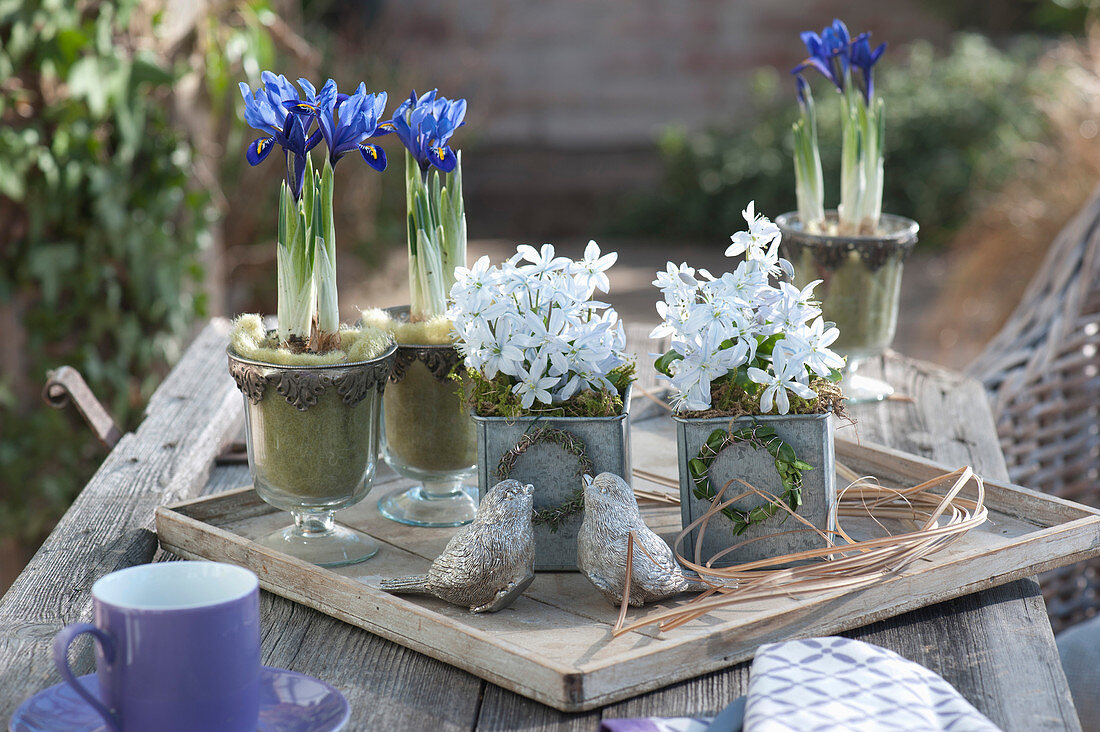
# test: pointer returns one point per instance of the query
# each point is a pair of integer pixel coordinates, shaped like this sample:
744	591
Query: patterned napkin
827	684
656	724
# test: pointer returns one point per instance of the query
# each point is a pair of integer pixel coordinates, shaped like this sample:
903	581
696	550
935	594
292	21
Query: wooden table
995	646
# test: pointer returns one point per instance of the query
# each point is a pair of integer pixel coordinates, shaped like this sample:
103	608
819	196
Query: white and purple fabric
834	684
825	684
656	724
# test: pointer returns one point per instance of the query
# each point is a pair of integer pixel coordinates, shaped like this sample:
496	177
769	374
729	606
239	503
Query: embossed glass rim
310	367
538	417
900	231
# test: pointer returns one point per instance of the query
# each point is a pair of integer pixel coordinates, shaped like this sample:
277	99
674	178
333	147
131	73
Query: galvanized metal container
552	470
811	437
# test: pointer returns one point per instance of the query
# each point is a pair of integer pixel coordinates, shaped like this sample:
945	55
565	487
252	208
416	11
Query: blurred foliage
957	126
104	230
1008	17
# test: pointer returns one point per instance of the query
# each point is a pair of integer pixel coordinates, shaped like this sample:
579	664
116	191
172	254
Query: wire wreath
554	516
759	436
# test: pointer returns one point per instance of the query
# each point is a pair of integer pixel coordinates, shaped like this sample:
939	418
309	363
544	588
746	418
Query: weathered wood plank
995	646
554	645
388	686
109	526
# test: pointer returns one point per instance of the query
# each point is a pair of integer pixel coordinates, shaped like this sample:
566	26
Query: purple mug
178	648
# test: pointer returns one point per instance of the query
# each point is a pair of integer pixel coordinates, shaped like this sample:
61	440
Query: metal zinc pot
811	437
532	451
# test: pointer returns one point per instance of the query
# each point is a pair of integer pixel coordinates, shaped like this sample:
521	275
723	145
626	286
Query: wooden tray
555	645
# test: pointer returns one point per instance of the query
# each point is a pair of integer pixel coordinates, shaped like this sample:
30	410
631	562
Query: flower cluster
834	53
532	321
425	124
297	119
344	122
770	339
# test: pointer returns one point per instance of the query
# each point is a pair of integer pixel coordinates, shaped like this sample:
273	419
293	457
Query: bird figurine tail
696	585
409	585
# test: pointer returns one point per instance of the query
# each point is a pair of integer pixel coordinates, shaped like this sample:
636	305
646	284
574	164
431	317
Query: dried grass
940	514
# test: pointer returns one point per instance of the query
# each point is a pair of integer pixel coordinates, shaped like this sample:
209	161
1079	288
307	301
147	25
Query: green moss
250	340
314	458
427	426
494	398
730	399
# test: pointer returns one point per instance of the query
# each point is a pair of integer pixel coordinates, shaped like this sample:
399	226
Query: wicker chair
1042	373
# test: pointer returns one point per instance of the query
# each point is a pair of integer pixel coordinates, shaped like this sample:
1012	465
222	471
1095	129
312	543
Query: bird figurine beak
587	481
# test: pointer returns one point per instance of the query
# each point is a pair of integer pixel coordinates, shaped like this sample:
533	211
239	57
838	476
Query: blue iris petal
266	111
829	53
374	155
343	121
424	124
259	149
309	89
443	158
863	58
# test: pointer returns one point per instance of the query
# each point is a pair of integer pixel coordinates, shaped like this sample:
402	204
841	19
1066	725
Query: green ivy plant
104	228
760	437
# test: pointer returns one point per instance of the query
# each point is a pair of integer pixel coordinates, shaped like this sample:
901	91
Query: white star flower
812	346
760	242
593	268
784	375
534	384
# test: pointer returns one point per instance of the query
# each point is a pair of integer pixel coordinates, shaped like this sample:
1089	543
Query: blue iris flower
425	124
829	53
863	58
266	111
345	122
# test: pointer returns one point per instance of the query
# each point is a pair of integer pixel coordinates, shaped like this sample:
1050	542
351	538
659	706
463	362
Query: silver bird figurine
610	514
489	562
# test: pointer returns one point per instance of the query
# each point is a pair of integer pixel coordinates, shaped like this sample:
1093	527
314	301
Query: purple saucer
289	702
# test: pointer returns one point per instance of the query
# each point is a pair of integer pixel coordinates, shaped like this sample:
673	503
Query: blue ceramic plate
289	702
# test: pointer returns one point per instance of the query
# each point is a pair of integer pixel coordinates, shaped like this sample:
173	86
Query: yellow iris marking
442	155
371	150
386	126
262	143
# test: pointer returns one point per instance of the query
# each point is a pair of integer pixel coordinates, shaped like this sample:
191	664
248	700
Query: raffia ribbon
940	518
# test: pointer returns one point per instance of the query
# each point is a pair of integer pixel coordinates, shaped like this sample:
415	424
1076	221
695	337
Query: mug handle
61	643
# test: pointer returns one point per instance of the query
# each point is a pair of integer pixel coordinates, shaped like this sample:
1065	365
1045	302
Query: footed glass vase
860	283
312	434
429	438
